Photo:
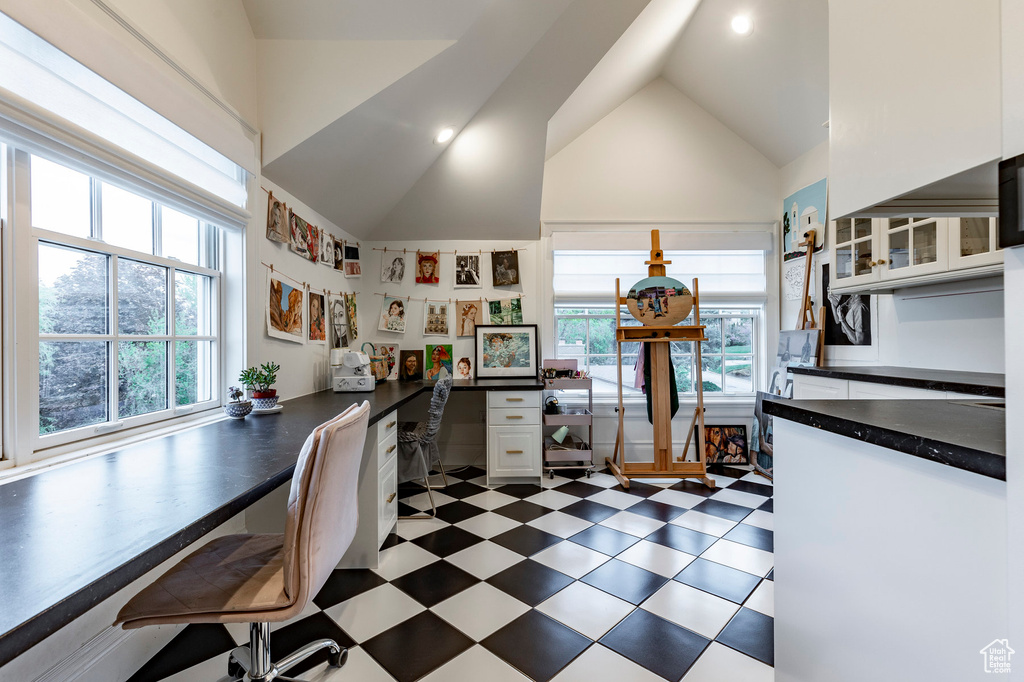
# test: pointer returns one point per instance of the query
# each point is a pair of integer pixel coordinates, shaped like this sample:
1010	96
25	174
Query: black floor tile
300	633
536	645
604	540
406	510
723	581
752	536
731	472
530	582
391	540
768	506
579	489
683	539
657	510
467	473
447	541
752	633
752	488
520	490
417	646
662	647
343	584
191	646
694	488
572	473
638	489
771	575
625	581
526	540
461	490
522	511
724	510
595	512
435	582
456	511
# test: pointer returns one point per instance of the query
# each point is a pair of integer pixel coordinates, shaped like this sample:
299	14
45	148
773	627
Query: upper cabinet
914	99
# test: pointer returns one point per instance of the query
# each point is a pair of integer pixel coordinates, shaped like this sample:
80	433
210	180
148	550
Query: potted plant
237	408
259	382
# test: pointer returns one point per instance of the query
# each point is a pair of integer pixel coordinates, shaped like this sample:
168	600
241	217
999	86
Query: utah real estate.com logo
996	656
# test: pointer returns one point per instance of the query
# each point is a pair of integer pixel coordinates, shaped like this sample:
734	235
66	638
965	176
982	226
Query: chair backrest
437	402
322	505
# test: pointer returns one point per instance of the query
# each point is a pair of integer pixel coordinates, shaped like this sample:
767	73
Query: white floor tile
704	523
562	525
548	482
749	559
401	559
373	611
656	558
763	598
585	609
616	498
691	608
490	499
601	480
487	525
552	499
677	498
480	610
753	477
211	669
761	519
474	665
484	559
360	667
572	559
422	502
719	663
410	529
480	480
634	524
601	664
742	499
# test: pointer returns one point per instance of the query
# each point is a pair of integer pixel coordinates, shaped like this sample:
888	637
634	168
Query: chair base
430	496
253	662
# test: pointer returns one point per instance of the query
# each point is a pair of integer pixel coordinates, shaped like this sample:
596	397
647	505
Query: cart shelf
571	417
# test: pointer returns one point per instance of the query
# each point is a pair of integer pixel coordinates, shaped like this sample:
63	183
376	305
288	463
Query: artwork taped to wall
285	305
467	271
804	210
392	315
847	316
410	365
464	369
299	234
339	321
435	318
317	328
326	249
506	351
438	358
505	268
725	444
389	351
506	311
392	267
762	439
470	314
352	265
339	254
277	220
427	263
353	317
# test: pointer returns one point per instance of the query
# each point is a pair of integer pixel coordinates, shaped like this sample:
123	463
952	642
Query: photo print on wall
410	365
350	309
392	267
470	314
284	310
464	369
300	234
438	360
847	316
326	248
392	315
389	351
339	321
339	254
277	220
317	322
435	318
352	266
505	268
506	311
426	267
467	271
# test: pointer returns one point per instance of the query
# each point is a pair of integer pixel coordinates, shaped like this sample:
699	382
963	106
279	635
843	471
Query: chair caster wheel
551	475
588	473
337	660
235	670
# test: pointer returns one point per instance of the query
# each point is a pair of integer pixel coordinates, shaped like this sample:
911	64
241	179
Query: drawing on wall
326	248
847	316
804	210
339	321
426	267
392	315
793	280
392	267
439	361
350	308
352	266
299	234
467	272
410	365
506	311
435	318
505	268
277	220
284	310
389	352
313	242
464	369
317	322
725	444
339	254
471	313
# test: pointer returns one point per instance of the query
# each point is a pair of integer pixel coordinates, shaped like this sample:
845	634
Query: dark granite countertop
75	534
951	432
975	383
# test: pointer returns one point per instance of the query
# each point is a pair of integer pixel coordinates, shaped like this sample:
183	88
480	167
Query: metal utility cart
569	454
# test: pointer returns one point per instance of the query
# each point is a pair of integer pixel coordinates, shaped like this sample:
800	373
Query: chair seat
228	580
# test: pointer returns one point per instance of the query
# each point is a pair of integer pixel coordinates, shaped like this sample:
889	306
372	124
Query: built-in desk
74	535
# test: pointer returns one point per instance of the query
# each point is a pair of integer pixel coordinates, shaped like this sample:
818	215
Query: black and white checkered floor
573	580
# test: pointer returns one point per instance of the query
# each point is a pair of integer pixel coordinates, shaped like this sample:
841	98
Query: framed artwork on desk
506	351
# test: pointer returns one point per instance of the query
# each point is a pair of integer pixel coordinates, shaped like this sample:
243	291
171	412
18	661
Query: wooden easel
806	319
664	465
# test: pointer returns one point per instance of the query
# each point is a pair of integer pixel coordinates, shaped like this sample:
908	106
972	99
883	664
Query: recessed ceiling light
445	135
742	24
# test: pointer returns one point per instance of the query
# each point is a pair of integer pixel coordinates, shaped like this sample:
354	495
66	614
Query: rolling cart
571	453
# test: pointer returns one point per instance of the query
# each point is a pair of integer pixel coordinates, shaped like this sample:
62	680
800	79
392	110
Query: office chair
265	578
417	446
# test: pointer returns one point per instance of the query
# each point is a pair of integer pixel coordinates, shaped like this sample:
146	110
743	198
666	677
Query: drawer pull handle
513	452
513	400
390	425
392	449
391	498
513	416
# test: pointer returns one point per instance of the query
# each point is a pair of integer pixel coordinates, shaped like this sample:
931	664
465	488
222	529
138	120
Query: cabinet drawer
513	417
514	451
513	399
387	450
387	426
387	499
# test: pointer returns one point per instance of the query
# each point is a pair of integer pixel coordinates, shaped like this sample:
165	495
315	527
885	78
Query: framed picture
410	365
505	268
467	271
725	444
506	351
277	220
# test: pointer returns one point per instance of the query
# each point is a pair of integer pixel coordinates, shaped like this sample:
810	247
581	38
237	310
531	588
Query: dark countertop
950	432
975	383
74	535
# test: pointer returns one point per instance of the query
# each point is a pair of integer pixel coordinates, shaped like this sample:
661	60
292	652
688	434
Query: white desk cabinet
378	493
513	436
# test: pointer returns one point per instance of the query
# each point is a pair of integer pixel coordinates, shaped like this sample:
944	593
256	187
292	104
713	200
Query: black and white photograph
392	267
326	249
339	254
505	268
847	316
467	271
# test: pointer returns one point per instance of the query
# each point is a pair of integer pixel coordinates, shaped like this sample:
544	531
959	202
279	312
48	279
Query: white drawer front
387	450
513	399
514	451
387	426
513	417
387	499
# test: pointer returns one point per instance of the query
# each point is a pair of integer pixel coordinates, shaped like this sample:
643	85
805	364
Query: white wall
1015	437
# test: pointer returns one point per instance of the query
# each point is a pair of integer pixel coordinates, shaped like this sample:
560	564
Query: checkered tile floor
577	579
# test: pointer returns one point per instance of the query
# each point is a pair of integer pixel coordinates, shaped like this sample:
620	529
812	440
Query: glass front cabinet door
855	254
913	246
973	242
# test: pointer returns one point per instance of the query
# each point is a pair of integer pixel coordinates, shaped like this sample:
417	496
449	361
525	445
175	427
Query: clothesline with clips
441	300
467	253
343	241
303	285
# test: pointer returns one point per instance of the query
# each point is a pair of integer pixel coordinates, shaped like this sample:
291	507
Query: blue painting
803	210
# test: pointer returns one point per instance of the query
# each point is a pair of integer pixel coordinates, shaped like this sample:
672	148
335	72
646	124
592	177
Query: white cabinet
855	251
912	247
862	390
513	436
809	387
974	242
819	388
387	475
